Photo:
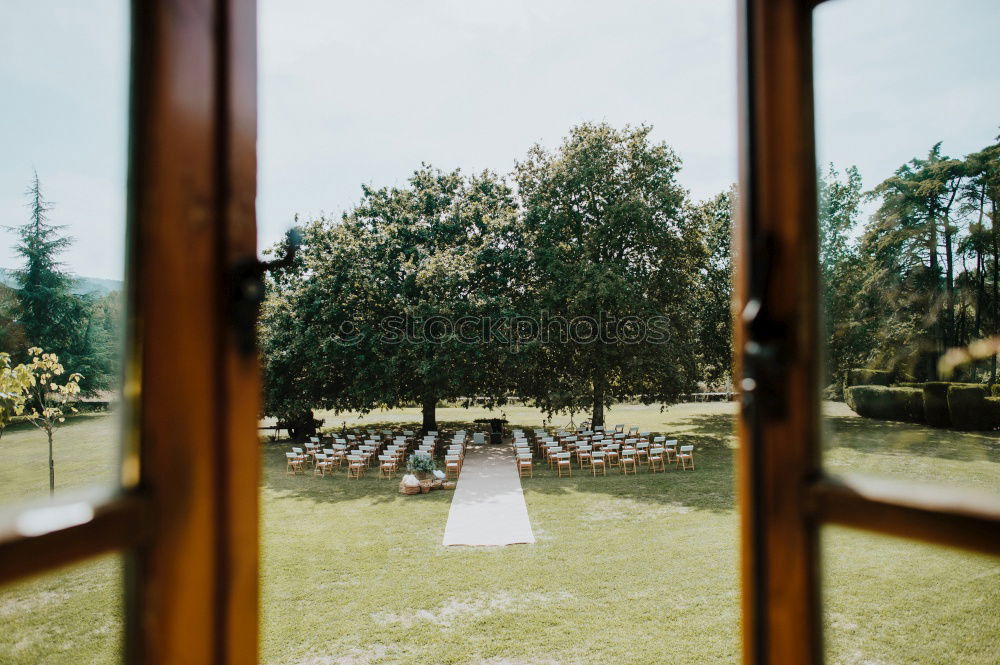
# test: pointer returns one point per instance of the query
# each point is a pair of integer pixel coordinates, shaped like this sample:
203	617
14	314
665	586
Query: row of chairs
387	450
596	451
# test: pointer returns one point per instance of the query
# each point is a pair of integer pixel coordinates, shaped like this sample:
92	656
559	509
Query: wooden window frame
186	516
785	495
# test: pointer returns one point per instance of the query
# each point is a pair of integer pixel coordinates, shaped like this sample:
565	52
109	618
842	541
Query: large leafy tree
714	303
385	306
909	246
980	199
612	253
839	199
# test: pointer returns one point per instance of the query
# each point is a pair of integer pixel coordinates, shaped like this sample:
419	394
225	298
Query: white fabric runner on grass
488	507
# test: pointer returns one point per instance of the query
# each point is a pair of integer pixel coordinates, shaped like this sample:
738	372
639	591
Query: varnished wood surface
779	436
951	516
238	499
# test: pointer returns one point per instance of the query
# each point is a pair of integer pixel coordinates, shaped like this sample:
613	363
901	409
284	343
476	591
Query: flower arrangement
421	464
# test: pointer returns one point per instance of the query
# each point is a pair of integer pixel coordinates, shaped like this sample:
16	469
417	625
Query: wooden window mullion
776	334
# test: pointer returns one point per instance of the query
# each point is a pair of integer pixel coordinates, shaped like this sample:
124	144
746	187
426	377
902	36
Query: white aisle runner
488	507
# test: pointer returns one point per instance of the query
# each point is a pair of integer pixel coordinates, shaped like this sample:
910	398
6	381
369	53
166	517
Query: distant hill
93	285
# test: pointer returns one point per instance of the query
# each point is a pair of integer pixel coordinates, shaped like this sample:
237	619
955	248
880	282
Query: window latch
247	286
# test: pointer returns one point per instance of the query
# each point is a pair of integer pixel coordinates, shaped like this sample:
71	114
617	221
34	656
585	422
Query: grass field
631	570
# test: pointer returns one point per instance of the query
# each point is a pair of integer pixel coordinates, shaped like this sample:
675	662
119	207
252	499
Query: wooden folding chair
657	460
563	463
452	466
355	466
386	466
597	463
524	465
323	466
642	452
611	455
685	458
628	461
670	450
293	464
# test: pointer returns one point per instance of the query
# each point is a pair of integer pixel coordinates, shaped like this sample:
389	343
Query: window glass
66	617
887	600
63	127
909	184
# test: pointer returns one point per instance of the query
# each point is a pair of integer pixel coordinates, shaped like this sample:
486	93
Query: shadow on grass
709	487
886	437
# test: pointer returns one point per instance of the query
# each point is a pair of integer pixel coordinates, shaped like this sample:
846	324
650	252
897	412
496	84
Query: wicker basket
409	489
425	486
450	485
436	484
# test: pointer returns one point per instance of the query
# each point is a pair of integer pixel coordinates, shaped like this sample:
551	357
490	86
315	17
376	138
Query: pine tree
50	315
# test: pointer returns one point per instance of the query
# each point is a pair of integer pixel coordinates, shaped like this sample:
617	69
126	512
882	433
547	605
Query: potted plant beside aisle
422	466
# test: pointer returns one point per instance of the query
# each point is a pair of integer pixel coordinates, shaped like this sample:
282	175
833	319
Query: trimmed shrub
936	404
908	384
888	403
864	377
867	377
995	390
967	407
992	406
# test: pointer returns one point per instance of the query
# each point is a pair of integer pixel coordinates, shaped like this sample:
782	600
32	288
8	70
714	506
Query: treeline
42	310
914	289
585	277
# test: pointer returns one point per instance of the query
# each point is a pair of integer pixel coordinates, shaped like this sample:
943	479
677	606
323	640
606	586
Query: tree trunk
52	466
994	327
597	418
302	426
949	283
430	413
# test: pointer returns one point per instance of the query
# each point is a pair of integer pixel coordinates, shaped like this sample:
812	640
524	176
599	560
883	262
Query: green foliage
14	384
867	377
863	377
887	403
714	300
50	396
936	412
607	228
420	463
838	214
967	408
332	327
83	331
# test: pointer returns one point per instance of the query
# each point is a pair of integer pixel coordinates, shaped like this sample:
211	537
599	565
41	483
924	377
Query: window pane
909	182
894	601
63	128
381	168
73	616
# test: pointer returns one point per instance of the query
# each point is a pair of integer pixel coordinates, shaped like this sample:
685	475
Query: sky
364	92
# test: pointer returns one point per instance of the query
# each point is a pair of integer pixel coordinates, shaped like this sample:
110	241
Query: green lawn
631	570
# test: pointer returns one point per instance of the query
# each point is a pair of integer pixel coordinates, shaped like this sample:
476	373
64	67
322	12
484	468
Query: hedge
864	377
992	406
967	408
888	403
995	390
867	377
936	404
